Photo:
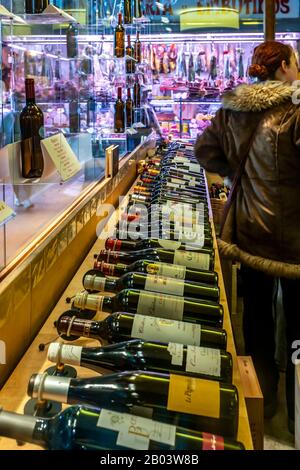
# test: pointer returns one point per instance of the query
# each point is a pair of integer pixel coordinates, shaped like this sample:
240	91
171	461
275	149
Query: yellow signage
209	18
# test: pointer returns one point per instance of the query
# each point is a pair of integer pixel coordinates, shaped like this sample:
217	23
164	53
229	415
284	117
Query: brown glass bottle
127	12
119	113
138	48
119	38
137	93
137	9
129	109
35	6
130	64
31	125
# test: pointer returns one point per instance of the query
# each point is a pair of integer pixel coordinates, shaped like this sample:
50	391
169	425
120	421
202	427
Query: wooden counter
13	395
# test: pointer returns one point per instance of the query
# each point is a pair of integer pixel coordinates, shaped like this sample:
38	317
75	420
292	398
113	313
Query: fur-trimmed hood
258	97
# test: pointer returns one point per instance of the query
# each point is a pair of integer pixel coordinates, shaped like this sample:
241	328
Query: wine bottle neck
96	303
29	90
80	327
23	428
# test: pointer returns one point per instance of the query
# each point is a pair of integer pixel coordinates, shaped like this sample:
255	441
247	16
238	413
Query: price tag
62	156
6	213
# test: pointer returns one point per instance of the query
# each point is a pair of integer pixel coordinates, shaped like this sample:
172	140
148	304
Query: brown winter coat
267	218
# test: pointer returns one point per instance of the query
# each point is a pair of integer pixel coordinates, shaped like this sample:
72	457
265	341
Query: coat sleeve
209	149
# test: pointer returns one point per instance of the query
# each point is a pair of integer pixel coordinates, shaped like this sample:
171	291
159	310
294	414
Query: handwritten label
6	213
176	351
62	156
203	361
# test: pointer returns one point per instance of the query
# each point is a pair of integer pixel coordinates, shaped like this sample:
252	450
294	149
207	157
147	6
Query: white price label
192	259
166	285
160	305
176	351
136	432
203	361
164	330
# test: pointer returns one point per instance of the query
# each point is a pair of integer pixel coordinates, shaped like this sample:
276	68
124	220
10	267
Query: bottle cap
113	244
64	353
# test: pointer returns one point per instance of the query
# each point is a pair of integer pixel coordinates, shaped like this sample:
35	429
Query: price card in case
62	155
6	213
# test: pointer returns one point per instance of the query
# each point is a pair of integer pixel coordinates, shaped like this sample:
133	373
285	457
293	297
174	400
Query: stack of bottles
167	376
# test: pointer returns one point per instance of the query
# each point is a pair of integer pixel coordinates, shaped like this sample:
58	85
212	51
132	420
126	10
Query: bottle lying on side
81	428
190	402
137	354
94	281
122	326
153	304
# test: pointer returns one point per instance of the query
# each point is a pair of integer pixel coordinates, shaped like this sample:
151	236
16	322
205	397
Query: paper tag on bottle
136	432
192	395
65	353
165	285
169	244
6	213
192	259
192	238
212	442
176	351
163	330
168	270
62	155
160	305
203	361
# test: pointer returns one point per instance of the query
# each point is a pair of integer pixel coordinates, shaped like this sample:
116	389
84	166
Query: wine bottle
129	110
31	125
130	63
127	12
72	41
203	259
137	93
123	326
81	428
91	112
137	10
119	113
138	48
74	116
196	243
93	282
137	354
35	6
154	304
175	271
190	402
119	38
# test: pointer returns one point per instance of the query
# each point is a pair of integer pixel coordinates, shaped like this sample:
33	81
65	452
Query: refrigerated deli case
13	395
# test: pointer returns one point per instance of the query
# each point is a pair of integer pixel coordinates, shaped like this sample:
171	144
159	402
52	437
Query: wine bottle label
212	442
191	259
203	361
163	330
169	244
168	270
192	395
193	239
176	351
166	285
160	305
64	353
136	432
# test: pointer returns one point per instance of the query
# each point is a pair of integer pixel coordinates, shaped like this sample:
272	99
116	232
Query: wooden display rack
13	395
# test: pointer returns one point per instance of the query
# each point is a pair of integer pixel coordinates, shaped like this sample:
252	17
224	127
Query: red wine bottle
127	12
119	38
196	243
137	93
210	405
203	259
154	304
93	281
130	63
137	354
35	6
31	125
138	48
123	326
129	110
119	113
175	271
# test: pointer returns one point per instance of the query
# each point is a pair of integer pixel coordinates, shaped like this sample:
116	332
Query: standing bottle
123	326
93	281
174	271
72	41
119	38
138	48
189	402
136	354
80	428
154	304
35	6
137	10
74	116
127	12
119	113
129	110
137	93
91	112
130	64
202	259
31	125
